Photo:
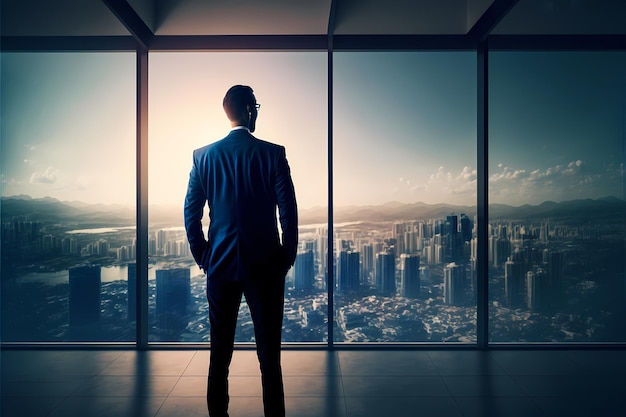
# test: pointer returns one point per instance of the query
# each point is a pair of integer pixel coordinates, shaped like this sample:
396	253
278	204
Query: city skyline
369	306
404	124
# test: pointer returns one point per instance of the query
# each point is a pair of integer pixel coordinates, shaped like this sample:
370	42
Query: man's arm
194	206
287	209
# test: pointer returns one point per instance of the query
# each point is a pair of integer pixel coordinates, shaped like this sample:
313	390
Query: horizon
397	203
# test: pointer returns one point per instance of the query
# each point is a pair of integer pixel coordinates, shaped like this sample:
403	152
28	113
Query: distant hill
576	210
52	210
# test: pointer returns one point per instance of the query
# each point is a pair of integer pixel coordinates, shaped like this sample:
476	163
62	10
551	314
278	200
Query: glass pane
556	192
186	92
404	196
68	196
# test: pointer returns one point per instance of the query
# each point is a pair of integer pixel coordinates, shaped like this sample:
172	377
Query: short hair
236	100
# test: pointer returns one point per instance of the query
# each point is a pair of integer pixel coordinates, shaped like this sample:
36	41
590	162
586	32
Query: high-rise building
514	283
348	271
322	249
69	246
453	284
439	254
410	242
161	239
386	273
536	285
131	310
304	271
410	275
451	239
430	254
84	297
173	291
466	228
502	250
368	264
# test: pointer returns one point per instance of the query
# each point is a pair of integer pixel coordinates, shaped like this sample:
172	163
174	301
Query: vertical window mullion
330	282
482	325
142	200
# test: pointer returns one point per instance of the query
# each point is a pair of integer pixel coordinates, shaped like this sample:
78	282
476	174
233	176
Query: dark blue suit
244	180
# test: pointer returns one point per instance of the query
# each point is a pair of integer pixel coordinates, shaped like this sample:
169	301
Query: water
107	274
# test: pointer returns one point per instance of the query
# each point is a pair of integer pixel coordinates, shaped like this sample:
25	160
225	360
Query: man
244	180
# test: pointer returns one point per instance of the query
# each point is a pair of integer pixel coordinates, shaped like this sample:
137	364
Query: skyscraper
536	281
466	228
451	239
348	271
304	271
173	290
514	283
410	276
453	284
367	268
84	300
131	311
322	249
386	273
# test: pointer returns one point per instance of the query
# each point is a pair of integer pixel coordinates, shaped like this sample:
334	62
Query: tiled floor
342	383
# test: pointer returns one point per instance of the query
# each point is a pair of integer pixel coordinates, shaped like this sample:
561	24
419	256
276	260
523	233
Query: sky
404	123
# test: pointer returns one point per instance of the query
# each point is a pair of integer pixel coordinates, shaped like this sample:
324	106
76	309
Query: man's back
244	179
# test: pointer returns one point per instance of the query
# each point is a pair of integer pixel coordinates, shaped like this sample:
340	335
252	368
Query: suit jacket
244	180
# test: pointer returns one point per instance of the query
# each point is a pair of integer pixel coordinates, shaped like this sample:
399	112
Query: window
404	154
68	196
186	92
556	192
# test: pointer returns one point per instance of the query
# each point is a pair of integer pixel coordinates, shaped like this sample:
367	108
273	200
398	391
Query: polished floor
342	383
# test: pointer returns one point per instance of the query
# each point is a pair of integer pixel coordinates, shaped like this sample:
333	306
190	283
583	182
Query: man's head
240	106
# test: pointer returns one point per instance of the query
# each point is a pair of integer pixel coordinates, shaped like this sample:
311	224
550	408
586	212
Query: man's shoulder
269	145
207	148
230	140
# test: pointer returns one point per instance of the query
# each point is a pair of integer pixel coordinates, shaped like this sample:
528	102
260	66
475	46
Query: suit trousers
265	298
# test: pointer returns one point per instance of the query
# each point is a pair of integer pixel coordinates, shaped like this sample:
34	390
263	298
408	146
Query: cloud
449	183
519	185
49	176
558	183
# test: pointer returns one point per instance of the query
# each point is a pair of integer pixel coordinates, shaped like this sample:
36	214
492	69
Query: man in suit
244	180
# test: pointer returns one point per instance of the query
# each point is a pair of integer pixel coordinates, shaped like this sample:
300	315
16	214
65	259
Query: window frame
324	43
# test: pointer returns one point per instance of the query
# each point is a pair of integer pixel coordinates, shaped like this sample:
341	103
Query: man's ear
252	121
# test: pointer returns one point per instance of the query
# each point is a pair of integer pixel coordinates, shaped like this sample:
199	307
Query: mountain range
48	209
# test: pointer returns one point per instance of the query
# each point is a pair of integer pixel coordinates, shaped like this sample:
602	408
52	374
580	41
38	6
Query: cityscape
556	274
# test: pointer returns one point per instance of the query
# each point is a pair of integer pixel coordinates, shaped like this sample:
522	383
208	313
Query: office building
304	275
454	284
410	275
172	298
536	285
84	295
386	273
514	277
131	310
348	271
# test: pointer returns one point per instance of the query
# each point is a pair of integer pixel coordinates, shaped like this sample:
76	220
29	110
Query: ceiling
22	18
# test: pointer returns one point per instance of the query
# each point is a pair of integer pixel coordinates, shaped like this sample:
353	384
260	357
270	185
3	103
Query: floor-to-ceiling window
185	113
404	163
556	191
404	226
68	196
